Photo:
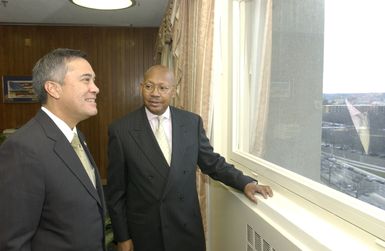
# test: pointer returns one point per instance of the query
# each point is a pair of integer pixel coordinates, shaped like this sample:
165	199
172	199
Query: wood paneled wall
118	55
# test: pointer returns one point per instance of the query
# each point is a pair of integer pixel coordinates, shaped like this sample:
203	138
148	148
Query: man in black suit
152	196
51	199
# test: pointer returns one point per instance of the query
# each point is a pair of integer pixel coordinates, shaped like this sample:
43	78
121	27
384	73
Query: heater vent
255	242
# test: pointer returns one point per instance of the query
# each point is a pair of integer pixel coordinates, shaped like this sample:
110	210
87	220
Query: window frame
354	211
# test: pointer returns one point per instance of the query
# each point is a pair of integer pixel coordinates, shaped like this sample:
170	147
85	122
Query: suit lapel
146	141
64	150
66	153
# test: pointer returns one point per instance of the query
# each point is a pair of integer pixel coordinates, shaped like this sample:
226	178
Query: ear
141	88
53	89
173	92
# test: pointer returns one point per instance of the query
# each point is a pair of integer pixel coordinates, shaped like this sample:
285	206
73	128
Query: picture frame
18	89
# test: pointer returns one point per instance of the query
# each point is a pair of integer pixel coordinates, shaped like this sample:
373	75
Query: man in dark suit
153	154
51	197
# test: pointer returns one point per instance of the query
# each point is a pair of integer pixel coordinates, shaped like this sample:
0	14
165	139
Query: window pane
323	113
353	121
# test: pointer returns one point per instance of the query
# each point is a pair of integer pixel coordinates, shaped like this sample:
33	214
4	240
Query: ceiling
144	13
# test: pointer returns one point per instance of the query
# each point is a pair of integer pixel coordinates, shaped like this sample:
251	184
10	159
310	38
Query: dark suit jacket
151	203
48	203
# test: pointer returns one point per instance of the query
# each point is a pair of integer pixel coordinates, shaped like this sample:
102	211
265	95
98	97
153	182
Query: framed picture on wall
18	89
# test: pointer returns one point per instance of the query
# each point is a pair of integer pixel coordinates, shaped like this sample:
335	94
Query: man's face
157	91
78	92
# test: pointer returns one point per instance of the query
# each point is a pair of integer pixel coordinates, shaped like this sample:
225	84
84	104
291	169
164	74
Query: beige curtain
164	41
185	44
260	92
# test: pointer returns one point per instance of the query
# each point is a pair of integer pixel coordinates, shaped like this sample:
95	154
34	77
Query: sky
354	52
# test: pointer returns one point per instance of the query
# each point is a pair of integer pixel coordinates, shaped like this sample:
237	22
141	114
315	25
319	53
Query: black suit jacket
151	203
47	200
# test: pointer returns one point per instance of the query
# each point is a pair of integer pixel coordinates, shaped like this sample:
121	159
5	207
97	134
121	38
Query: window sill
336	215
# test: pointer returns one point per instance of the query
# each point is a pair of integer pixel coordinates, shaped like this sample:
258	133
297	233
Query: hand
127	245
252	188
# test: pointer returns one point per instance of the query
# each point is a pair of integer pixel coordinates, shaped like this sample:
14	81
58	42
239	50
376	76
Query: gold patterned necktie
160	136
75	143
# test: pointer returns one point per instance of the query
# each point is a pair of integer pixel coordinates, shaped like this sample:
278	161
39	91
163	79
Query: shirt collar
64	128
151	116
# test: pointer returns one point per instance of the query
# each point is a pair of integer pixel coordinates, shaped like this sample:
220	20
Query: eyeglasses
162	89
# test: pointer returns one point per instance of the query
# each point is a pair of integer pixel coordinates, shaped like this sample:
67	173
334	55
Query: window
308	93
